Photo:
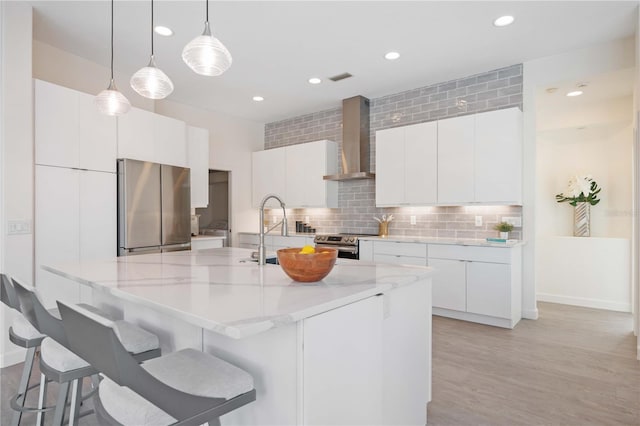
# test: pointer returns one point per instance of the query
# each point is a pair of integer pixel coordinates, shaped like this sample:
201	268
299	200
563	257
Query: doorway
215	219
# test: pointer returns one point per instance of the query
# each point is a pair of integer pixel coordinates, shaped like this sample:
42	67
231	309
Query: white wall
17	155
635	246
602	149
231	141
68	70
539	73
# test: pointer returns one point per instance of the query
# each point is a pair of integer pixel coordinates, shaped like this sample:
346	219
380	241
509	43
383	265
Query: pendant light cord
207	11
111	40
152	28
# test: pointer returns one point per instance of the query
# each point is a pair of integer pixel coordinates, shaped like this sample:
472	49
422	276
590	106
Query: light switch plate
478	220
516	221
413	219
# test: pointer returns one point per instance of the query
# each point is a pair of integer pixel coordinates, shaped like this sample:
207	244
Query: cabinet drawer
295	241
248	239
400	260
473	253
400	249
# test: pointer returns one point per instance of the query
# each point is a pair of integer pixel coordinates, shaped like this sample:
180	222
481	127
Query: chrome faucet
262	257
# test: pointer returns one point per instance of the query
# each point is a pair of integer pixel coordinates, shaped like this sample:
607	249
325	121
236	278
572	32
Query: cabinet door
456	160
489	289
421	163
170	141
97	137
449	284
135	135
57	215
399	260
268	175
342	365
366	250
198	147
301	173
390	167
56	125
498	156
98	215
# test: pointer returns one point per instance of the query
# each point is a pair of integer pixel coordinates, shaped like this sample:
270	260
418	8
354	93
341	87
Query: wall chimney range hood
355	140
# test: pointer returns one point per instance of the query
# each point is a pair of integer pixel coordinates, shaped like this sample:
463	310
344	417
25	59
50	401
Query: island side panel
407	354
271	358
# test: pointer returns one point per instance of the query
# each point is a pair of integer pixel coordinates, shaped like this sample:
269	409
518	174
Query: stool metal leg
42	397
61	405
76	399
24	384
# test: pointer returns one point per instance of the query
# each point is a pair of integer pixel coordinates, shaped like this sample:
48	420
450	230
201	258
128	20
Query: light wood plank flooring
574	366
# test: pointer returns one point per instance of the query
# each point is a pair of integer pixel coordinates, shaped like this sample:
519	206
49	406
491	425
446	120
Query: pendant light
110	101
205	54
150	81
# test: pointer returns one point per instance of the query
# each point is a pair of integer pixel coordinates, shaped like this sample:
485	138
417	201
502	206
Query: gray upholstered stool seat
23	328
187	370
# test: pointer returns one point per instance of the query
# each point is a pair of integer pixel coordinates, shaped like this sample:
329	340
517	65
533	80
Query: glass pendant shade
112	102
206	55
151	82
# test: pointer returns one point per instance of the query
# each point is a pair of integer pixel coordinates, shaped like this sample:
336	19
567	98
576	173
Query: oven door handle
349	249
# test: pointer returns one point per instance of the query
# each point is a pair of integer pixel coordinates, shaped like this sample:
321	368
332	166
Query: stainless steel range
347	244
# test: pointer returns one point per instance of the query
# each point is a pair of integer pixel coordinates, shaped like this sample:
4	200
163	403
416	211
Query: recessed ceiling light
258	98
575	93
163	31
315	80
503	21
392	56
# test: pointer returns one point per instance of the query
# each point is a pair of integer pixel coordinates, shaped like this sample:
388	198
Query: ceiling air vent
340	76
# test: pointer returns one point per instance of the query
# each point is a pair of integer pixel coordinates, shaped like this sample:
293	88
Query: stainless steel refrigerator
154	208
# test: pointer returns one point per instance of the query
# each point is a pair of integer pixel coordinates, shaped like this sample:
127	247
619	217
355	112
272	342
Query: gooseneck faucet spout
262	256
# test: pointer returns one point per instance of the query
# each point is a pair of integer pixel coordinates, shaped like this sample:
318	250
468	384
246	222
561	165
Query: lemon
307	250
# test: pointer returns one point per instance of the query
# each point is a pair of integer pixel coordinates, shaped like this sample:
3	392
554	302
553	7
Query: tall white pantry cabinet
76	149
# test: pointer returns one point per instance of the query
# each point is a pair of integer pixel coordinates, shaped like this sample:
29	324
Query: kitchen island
354	348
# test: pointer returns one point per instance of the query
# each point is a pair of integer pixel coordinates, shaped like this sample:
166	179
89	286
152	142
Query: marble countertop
450	241
223	291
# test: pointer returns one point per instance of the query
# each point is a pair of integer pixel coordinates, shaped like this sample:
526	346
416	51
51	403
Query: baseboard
13	357
530	314
585	302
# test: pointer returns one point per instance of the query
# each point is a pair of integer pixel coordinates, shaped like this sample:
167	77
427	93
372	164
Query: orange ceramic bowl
307	267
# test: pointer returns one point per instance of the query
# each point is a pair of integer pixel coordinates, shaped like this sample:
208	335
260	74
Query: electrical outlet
18	227
306	219
478	220
274	220
516	221
412	219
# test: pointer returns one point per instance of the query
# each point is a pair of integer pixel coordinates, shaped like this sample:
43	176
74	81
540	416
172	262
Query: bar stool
58	363
186	387
23	334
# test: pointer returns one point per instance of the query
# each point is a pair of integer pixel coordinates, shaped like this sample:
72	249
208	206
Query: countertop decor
582	193
383	225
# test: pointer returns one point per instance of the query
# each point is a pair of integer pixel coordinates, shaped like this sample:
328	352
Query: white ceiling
277	46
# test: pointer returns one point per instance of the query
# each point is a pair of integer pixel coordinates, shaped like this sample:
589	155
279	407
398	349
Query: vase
383	229
504	235
582	220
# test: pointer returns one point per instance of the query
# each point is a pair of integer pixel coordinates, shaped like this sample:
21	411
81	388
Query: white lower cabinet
206	243
479	284
400	253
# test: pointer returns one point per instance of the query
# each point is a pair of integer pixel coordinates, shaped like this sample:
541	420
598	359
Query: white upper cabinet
268	176
498	157
198	147
406	165
295	173
306	164
170	141
97	136
456	160
70	131
135	135
390	166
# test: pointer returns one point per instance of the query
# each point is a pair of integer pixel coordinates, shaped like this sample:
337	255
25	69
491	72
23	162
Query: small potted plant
504	228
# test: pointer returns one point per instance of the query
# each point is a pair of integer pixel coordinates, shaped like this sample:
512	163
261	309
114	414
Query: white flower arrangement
581	189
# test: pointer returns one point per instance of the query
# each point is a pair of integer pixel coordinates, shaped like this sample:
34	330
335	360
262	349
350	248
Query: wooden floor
573	366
